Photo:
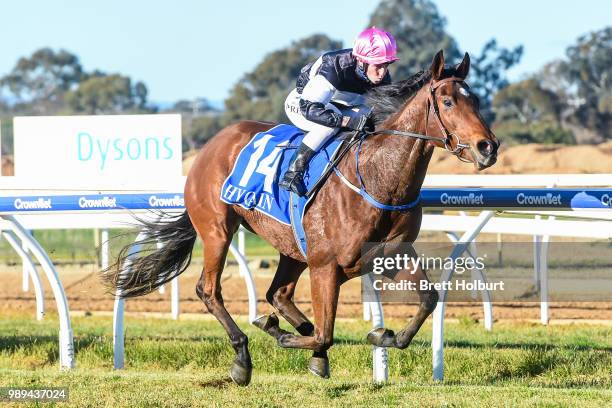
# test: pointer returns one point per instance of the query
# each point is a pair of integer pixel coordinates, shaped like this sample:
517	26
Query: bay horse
435	104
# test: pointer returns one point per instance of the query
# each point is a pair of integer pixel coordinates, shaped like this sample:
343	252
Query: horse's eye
447	102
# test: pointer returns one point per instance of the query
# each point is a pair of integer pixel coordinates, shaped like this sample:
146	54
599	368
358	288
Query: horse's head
454	114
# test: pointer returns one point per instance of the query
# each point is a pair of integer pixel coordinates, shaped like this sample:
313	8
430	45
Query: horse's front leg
280	295
428	300
325	284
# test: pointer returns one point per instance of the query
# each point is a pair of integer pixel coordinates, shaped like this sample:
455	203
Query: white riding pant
319	134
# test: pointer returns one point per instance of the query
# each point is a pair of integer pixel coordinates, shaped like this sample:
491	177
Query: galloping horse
435	107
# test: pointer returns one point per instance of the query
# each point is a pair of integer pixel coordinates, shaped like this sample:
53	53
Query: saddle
253	181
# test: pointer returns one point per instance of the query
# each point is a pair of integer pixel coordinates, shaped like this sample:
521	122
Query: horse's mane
386	100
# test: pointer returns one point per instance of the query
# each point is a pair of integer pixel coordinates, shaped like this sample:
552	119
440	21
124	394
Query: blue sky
185	49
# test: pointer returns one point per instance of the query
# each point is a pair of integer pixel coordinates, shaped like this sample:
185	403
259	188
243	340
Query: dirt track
86	294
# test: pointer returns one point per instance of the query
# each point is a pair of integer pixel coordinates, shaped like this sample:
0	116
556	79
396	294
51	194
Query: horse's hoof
284	340
381	337
239	374
319	366
266	321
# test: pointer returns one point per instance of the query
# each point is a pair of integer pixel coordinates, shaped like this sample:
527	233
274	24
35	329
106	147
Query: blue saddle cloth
253	182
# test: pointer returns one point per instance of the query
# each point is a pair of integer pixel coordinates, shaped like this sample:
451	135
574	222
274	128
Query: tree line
567	101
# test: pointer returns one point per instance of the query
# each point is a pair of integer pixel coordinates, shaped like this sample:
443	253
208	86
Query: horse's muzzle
487	153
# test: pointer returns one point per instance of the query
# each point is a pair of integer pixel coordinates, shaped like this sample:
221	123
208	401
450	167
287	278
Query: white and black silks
326	90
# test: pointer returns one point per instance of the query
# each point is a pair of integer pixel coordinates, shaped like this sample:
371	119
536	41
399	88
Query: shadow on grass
216	383
27	343
179	338
465	344
338	391
530	367
347	341
524	346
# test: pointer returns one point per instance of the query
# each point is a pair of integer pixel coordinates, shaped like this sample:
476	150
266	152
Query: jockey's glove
357	122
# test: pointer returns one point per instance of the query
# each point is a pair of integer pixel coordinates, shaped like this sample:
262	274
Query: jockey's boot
293	180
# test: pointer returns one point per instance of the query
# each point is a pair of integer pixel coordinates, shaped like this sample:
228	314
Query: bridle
447	142
432	105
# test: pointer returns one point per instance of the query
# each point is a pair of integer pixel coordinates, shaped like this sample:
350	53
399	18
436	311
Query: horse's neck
396	165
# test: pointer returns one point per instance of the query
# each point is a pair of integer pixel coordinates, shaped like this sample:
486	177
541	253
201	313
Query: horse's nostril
486	147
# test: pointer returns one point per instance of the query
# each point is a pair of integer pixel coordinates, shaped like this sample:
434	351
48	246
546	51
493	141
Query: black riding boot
293	180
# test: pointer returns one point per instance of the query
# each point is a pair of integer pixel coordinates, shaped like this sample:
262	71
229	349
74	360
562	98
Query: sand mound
534	158
523	159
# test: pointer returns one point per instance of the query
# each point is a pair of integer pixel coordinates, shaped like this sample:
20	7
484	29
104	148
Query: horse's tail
148	263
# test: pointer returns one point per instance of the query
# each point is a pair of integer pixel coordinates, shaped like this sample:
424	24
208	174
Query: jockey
328	96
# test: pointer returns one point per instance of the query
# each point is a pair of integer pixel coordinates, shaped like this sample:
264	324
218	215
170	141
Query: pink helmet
375	46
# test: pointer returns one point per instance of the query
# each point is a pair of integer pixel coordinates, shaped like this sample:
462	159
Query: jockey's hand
357	122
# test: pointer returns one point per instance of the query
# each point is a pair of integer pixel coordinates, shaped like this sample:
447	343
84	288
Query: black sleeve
316	112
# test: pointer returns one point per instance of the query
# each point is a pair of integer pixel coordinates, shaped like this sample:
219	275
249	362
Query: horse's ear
437	65
462	70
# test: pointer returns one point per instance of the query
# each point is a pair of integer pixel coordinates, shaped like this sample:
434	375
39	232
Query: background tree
588	70
567	101
488	73
200	121
37	83
529	113
261	93
199	130
419	31
102	93
194	106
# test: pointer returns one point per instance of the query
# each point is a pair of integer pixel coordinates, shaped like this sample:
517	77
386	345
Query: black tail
141	267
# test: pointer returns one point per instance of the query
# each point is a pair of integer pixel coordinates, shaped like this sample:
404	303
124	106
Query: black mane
386	100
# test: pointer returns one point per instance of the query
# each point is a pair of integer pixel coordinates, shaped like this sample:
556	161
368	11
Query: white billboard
94	147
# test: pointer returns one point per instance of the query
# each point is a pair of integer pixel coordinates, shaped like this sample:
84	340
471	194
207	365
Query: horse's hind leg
216	237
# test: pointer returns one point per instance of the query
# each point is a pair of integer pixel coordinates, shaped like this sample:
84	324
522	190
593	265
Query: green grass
185	363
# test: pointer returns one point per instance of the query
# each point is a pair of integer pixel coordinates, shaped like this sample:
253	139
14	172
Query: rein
446	141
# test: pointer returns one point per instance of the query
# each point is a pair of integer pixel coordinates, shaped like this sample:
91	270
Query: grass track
185	363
